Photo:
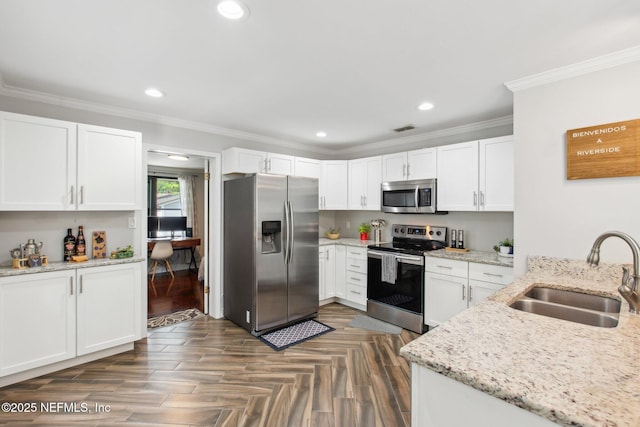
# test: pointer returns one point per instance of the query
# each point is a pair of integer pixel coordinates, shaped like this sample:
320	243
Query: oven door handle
406	259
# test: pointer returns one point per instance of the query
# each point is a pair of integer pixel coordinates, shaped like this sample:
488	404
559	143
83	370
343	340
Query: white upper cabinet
109	169
240	160
310	168
333	188
52	165
496	174
476	175
365	176
409	165
37	163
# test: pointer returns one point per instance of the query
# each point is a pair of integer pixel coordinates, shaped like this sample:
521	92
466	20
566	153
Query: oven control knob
430	232
402	230
438	233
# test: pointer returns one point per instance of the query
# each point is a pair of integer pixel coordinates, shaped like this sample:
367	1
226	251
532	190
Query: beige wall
554	216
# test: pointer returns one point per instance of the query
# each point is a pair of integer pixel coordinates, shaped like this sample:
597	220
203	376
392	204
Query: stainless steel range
395	276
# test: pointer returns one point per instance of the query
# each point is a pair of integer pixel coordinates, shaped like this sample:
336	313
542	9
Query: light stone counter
569	373
7	271
346	241
473	256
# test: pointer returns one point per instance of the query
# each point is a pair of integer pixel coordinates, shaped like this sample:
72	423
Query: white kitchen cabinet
340	271
109	169
409	165
327	267
310	168
52	165
356	277
107	306
333	188
241	160
52	317
365	176
37	320
451	286
496	174
476	175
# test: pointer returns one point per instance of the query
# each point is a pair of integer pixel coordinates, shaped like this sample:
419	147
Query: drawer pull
492	274
444	266
355	266
355	278
354	292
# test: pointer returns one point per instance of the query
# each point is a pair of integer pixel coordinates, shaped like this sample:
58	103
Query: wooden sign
99	244
604	151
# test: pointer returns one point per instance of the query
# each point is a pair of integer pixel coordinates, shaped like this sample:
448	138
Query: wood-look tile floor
209	372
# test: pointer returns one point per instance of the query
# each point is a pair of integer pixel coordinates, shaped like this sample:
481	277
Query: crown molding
574	70
429	136
328	150
46	98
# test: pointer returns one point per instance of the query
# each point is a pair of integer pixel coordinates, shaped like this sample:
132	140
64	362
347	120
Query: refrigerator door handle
285	250
291	232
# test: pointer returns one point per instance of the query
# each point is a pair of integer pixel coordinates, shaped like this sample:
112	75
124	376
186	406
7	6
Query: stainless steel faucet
630	283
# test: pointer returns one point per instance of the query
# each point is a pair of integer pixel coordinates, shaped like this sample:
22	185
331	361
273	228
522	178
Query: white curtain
187	185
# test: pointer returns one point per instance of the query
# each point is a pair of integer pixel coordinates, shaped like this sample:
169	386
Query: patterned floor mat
295	334
170	319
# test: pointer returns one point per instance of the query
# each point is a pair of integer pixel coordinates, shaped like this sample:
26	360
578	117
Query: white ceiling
355	69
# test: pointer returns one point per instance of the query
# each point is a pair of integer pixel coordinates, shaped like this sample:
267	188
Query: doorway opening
177	233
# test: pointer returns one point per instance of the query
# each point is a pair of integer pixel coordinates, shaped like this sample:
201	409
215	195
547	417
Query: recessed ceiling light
153	92
321	134
425	106
180	157
233	9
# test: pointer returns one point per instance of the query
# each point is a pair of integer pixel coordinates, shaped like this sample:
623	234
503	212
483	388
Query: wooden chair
162	251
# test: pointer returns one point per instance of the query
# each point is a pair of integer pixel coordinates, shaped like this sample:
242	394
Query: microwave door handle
415	197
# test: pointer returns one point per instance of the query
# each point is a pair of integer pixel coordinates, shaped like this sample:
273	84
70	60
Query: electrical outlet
132	222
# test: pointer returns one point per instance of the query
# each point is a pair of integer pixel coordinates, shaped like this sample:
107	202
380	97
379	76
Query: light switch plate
132	222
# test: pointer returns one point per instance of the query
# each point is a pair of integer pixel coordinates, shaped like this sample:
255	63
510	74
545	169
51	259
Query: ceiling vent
404	128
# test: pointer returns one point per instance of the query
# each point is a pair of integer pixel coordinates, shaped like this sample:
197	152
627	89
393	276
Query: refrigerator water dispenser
271	241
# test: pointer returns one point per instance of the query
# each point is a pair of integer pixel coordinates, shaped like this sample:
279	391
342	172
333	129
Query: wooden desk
180	243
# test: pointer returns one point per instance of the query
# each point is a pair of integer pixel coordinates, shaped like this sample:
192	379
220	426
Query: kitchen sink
573	306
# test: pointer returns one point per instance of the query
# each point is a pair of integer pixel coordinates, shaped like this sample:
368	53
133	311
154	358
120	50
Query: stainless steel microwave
418	196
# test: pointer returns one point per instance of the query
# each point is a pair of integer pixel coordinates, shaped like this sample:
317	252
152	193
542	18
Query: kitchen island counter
568	373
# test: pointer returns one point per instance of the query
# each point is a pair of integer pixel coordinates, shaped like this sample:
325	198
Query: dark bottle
81	246
69	245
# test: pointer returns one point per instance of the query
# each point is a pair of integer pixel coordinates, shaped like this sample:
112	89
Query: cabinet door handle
492	274
80	285
470	293
82	194
408	170
71	194
365	201
475	199
269	165
464	296
404	170
482	198
71	285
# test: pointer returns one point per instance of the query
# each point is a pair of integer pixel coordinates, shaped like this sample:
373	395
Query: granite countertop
473	256
569	373
6	271
347	241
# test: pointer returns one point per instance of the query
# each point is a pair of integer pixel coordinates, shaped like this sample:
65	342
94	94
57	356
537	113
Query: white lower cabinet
107	307
356	277
37	320
327	268
343	275
451	286
55	316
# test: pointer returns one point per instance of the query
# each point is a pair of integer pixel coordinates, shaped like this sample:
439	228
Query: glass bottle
81	246
69	245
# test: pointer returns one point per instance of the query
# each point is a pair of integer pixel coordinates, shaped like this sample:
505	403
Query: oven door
407	293
409	196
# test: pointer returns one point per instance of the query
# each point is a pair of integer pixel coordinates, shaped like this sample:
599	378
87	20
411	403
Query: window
164	197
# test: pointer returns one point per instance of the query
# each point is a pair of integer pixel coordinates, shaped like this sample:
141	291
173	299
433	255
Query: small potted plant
364	230
504	247
333	233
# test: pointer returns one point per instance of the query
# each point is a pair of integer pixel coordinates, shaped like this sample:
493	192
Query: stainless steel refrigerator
270	251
